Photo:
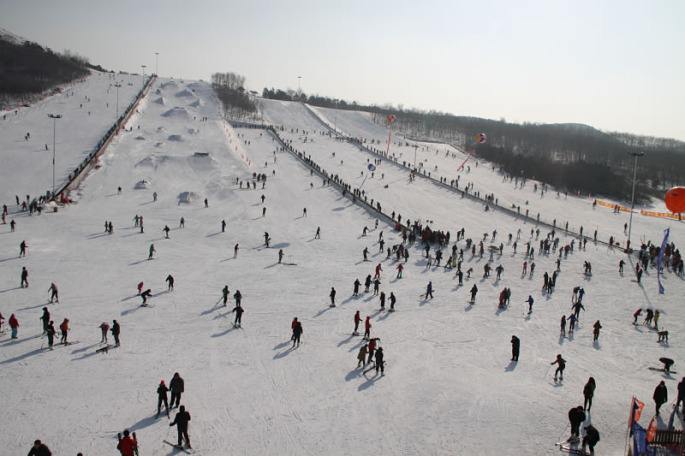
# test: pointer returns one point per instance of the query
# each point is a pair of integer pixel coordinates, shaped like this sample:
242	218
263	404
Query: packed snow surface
449	386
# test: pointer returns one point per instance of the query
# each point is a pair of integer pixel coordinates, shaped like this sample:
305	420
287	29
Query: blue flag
660	259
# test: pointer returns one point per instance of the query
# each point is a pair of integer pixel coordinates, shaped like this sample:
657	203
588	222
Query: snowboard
179	448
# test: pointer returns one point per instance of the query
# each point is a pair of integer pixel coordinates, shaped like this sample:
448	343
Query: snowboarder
177	387
595	333
515	345
54	294
660	396
588	393
238	316
561	365
332	296
361	356
104	328
297	333
429	290
116	330
40	449
576	416
64	329
182	418
162	398
357	320
170	282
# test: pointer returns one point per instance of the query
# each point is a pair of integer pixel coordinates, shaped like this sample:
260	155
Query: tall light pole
156	62
299	85
143	67
117	85
54	118
632	200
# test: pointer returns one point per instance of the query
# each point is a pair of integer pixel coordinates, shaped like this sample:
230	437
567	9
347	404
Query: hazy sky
616	65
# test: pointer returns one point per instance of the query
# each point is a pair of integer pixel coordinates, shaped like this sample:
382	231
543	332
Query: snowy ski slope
449	387
88	110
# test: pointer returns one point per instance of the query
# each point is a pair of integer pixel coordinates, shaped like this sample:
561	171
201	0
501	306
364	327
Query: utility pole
54	118
299	85
632	200
143	67
156	62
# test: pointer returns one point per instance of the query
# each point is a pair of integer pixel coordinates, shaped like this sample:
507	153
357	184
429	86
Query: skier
50	333
376	286
14	325
223	226
392	302
649	317
357	320
367	283
620	266
145	294
54	295
127	446
595	333
154	196
380	364
170	282
382	299
182	418
379	269
530	302
140	288
22	249
474	291
116	330
224	294
297	333
332	296
104	327
24	277
577	308
266	239
166	231
64	329
361	356
152	251
162	398
515	345
563	326
367	327
571	324
400	267
637	313
238	316
206	203
177	387
591	438
318	233
588	393
235	250
40	449
660	396
280	256
561	365
429	290
356	287
576	416
182	223
45	318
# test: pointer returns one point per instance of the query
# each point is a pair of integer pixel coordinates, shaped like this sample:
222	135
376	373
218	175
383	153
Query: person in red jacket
64	328
378	271
357	320
293	325
14	324
367	328
127	445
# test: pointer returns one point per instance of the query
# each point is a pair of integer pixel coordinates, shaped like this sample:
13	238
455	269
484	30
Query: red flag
636	408
639	406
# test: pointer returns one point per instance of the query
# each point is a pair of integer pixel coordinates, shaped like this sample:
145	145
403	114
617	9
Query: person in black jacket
561	365
591	438
380	364
681	395
576	416
515	345
50	332
181	422
238	316
115	332
162	391
39	449
660	396
297	333
588	393
176	386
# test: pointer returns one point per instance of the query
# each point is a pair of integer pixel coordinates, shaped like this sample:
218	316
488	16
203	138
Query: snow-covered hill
449	386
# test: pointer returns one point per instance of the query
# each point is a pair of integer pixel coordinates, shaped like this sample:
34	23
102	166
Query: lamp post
54	118
143	67
117	85
632	200
156	62
299	85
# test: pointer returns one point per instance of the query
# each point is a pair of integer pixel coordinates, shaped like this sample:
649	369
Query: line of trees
559	154
28	68
230	89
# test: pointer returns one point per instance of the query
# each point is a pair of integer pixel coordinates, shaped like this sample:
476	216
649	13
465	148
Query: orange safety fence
612	205
668	215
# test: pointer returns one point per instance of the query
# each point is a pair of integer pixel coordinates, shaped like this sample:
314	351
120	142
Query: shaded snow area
88	110
449	386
